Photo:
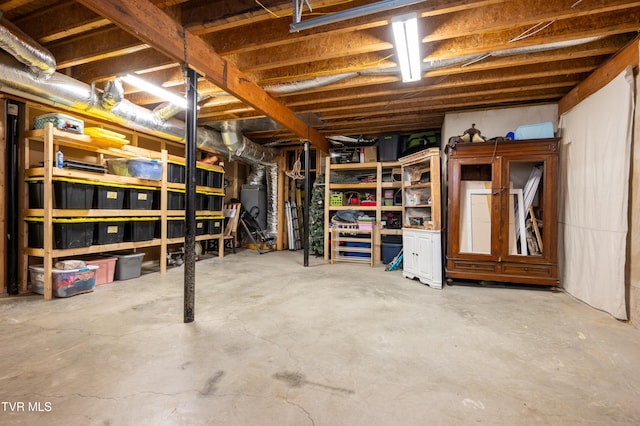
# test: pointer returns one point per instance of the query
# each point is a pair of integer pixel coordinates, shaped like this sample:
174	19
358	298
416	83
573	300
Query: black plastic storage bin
215	179
201	176
388	147
208	178
215	225
108	197
67	194
175	199
139	198
201	225
202	201
214	202
176	172
67	233
390	246
140	228
109	230
175	227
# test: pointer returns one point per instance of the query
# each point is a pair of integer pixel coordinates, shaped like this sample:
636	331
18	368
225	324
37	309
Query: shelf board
391	208
209	213
180	240
355	166
174	185
354	186
391	185
93	213
35	172
353	259
354	240
428	227
419	206
37	252
391	232
417	185
174	213
356	207
85	143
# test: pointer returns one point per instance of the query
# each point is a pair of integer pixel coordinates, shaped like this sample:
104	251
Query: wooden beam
601	77
157	29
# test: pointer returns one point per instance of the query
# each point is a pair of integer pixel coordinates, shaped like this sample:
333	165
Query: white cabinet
422	256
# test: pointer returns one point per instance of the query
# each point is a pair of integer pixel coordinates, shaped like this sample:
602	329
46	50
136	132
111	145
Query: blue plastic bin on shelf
534	131
355	244
145	169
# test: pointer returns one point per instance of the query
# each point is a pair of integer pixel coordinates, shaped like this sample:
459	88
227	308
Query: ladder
293	226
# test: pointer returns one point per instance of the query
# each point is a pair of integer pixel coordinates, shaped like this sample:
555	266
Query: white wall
498	122
633	257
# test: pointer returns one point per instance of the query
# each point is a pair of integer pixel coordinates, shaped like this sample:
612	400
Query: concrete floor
278	344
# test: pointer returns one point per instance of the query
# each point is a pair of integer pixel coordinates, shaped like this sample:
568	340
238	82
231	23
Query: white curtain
594	195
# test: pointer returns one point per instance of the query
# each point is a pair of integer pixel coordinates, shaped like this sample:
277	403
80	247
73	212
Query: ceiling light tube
407	40
155	90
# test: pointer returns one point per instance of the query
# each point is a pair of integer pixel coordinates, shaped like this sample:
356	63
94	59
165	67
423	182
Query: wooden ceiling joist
157	29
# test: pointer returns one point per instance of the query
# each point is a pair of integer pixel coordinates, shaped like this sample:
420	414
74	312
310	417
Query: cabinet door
409	250
527	218
474	207
425	256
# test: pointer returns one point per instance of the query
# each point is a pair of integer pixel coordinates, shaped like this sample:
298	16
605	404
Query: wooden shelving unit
52	140
421	217
379	172
360	250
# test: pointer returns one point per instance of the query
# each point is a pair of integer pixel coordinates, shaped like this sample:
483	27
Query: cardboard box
370	154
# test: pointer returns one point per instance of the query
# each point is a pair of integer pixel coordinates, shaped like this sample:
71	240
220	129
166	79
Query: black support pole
307	201
190	207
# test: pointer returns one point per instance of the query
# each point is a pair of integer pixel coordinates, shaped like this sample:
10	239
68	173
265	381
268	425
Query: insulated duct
256	177
64	92
299	86
22	47
242	147
272	200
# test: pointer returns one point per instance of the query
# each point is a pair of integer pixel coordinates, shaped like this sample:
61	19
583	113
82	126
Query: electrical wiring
275	15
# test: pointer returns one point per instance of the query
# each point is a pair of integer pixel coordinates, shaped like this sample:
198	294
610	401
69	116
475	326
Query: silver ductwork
26	50
272	199
256	177
240	146
299	86
67	93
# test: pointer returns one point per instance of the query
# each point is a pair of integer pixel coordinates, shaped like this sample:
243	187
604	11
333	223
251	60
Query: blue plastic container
534	131
145	169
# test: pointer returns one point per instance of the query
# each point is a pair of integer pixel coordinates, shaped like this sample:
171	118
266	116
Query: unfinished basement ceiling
341	78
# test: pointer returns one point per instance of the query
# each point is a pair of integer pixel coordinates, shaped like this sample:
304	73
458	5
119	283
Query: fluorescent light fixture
356	12
155	90
405	33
